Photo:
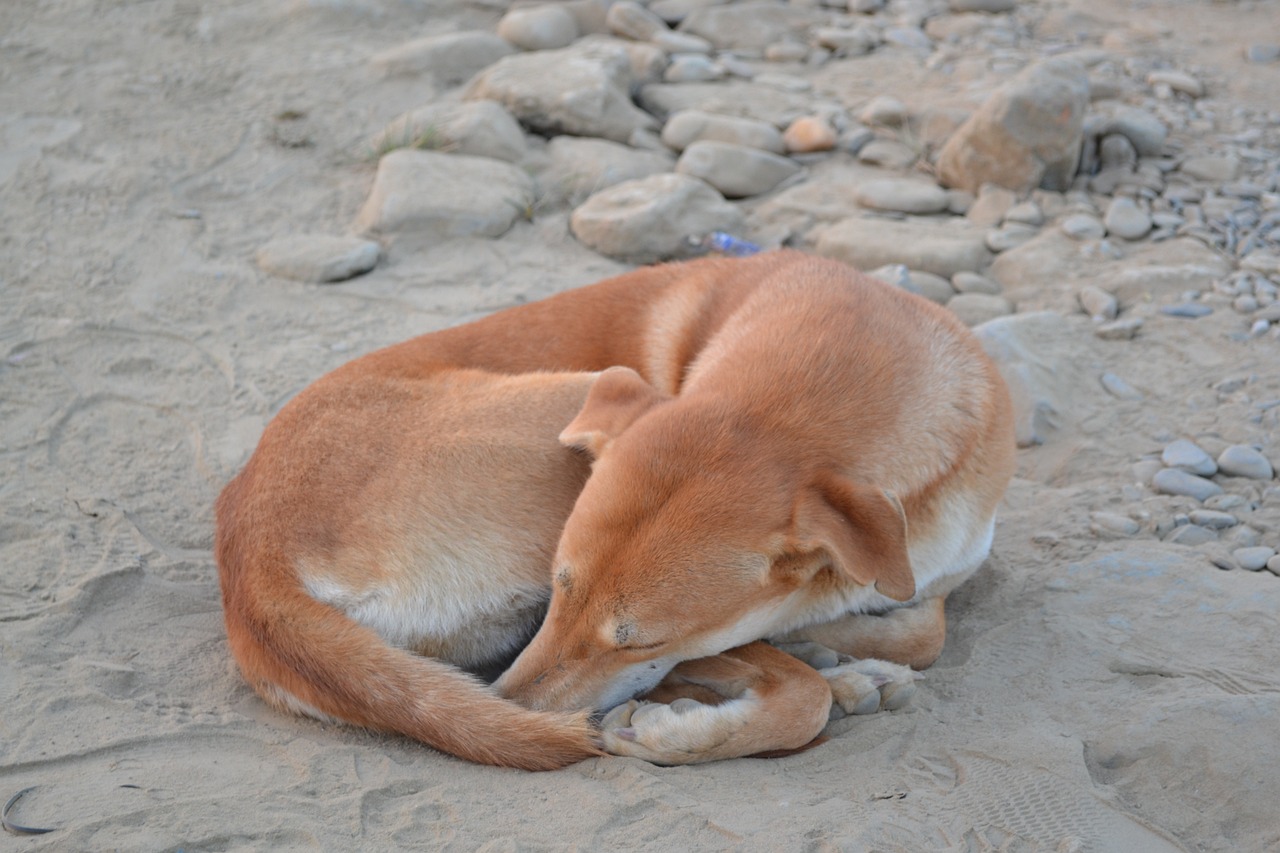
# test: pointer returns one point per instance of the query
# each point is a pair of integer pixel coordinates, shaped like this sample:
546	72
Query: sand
1095	694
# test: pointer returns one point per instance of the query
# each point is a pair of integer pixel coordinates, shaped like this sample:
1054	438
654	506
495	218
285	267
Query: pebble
1191	535
972	282
629	19
689	126
747	26
857	41
1213	519
1188	456
478	128
1118	388
1098	303
1187	310
1009	236
867	243
1178	81
1025	213
651	219
974	309
1083	226
673	42
1119	330
884	110
1273	565
786	51
912	38
1108	524
1213	168
692	68
1241	460
1172	481
580	166
1145	131
1117	151
1262	53
904	195
1253	559
808	134
1226	502
543	27
737	171
992	205
1126	220
318	257
450	59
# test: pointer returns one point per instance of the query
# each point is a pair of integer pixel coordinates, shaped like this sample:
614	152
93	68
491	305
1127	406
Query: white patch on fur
285	700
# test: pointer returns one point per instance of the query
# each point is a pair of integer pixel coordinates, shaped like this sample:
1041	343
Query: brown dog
780	445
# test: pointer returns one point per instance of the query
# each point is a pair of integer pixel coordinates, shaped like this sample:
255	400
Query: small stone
1245	304
1118	388
974	309
1145	131
1253	559
991	205
787	51
1009	236
912	38
1187	310
1119	330
1172	481
689	126
884	110
1213	519
746	26
581	166
1109	524
1025	213
692	68
887	154
1241	460
1178	81
673	42
450	59
1098	303
857	41
808	134
1225	502
1126	220
477	128
318	257
866	7
1187	456
1273	565
736	171
1082	226
1191	535
904	195
867	243
544	27
1262	53
1117	152
972	282
1211	168
630	20
935	288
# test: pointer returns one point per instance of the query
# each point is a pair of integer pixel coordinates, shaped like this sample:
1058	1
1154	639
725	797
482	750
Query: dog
627	487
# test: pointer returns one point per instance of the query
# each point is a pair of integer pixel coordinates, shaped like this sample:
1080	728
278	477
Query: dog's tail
305	656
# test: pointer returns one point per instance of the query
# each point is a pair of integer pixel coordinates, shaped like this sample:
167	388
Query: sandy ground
1094	694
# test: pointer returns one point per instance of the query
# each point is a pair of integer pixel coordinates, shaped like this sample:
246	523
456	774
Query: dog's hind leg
912	636
749	700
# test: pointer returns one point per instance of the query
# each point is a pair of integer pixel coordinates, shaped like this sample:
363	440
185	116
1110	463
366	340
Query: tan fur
801	442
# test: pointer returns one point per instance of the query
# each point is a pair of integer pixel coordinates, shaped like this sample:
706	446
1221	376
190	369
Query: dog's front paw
684	732
869	685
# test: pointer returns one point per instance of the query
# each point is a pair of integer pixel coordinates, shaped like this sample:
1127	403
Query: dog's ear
615	400
862	528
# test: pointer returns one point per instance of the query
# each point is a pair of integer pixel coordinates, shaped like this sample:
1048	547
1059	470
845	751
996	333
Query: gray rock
904	195
884	110
940	248
693	68
1119	388
912	38
847	42
580	167
991	205
1178	81
1097	303
1187	310
935	288
1253	559
1126	220
748	26
1172	481
787	51
445	195
1191	535
631	20
1241	460
736	171
478	128
318	257
1273	565
673	42
542	27
1082	226
652	219
450	59
981	5
1009	236
1116	152
1108	525
1213	168
1025	213
768	104
1188	456
1262	53
1119	330
972	282
1146	132
1027	134
689	126
887	154
1213	519
580	90
974	309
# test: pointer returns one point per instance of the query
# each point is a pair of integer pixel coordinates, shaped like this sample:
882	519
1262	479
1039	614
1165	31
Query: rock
768	104
786	51
940	248
971	282
450	59
1188	456
991	205
1253	559
736	171
1082	226
1178	81
1187	310
652	219
1026	135
1163	269
887	154
544	27
1116	152
974	309
692	68
673	42
1009	236
1118	387
1126	220
1025	213
748	26
1119	330
1172	481
689	126
1097	303
1213	519
808	134
583	91
1111	525
865	7
445	195
1273	565
478	128
1216	169
912	38
904	195
1241	460
581	166
980	5
318	257
1191	535
633	21
1262	53
935	288
847	42
1146	132
884	110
